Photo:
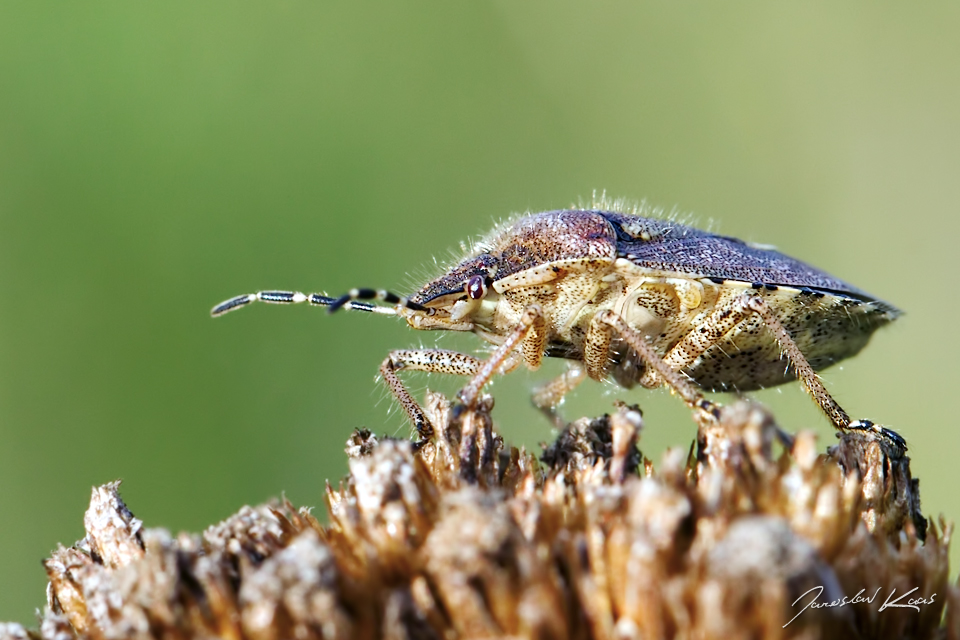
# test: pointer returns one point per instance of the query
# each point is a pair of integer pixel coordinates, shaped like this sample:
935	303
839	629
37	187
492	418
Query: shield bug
637	299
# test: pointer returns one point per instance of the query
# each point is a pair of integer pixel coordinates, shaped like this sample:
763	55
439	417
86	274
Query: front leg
530	333
431	361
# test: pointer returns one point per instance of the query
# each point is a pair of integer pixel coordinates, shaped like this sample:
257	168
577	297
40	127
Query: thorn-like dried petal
465	536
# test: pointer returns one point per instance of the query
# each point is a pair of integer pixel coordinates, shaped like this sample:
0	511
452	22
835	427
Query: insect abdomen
827	329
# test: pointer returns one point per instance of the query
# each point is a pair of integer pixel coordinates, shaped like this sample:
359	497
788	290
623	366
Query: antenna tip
233	303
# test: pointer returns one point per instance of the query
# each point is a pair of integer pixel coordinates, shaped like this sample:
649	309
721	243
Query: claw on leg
883	433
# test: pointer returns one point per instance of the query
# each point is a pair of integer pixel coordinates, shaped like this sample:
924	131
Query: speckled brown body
636	299
665	280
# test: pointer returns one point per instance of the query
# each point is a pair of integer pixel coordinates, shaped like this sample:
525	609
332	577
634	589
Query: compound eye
476	288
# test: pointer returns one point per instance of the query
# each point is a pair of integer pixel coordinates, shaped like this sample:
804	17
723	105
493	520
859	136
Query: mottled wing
668	246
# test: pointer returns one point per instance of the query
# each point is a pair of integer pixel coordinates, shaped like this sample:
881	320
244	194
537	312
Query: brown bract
471	538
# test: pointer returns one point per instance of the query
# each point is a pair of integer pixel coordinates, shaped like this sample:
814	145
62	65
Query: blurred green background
156	158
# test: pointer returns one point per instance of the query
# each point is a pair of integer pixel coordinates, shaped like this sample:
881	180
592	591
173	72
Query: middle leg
548	397
596	356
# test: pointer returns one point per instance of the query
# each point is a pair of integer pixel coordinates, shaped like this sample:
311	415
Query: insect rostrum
641	300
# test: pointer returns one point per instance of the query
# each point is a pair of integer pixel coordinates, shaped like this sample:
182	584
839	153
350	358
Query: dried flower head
468	537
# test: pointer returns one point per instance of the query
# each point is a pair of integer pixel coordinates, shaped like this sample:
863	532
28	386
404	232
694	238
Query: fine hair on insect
636	299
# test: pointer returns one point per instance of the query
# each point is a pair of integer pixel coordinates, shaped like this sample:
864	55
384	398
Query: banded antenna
348	301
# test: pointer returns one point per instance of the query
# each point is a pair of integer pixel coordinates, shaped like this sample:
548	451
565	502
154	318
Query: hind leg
724	319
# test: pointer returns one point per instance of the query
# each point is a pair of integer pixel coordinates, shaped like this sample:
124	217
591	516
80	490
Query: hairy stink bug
642	300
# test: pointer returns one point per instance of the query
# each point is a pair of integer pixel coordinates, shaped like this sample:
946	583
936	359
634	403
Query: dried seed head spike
294	297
